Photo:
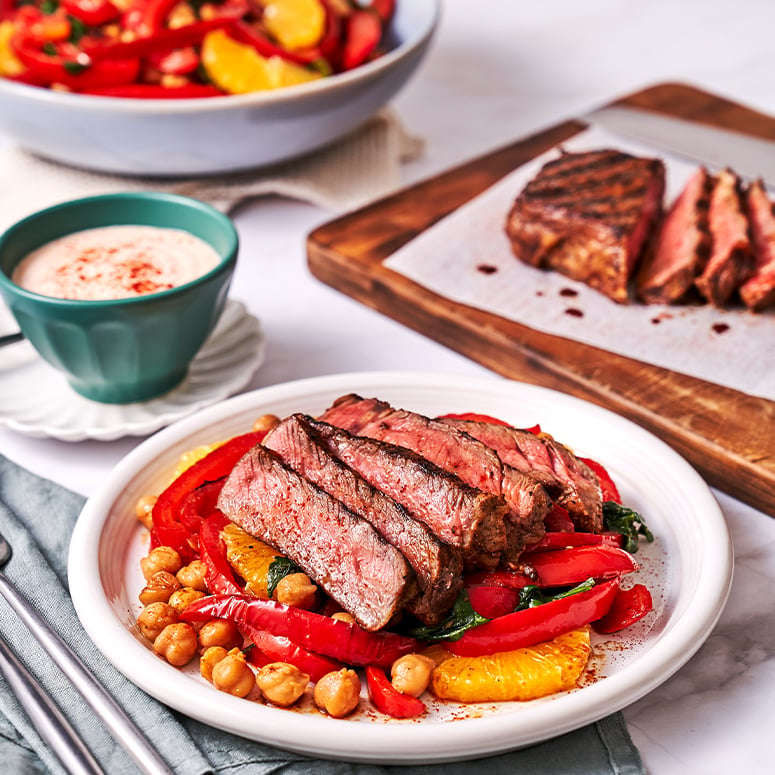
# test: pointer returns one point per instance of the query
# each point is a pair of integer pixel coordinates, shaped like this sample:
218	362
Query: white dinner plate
688	570
36	400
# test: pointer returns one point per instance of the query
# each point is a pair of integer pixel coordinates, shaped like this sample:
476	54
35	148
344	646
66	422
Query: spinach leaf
629	523
462	617
532	596
279	568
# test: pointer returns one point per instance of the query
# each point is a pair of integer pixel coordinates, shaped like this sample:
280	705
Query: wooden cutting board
727	435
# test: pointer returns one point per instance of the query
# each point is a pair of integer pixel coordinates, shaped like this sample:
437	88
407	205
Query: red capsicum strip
167	527
498	578
492	601
362	35
278	648
242	32
628	607
92	12
566	567
212	549
562	540
536	625
387	699
334	638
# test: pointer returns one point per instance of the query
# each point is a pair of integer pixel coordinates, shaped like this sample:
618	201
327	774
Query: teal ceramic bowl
125	350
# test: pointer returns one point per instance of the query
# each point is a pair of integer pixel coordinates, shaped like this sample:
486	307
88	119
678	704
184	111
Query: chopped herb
461	618
74	68
49	6
50	49
531	596
279	568
621	519
77	29
322	66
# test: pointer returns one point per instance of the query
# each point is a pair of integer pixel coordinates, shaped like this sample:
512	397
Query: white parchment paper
467	258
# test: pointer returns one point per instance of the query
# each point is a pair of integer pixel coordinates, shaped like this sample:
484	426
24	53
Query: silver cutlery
94	694
46	717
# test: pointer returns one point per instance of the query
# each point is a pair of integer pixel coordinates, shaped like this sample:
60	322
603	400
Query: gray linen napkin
37	517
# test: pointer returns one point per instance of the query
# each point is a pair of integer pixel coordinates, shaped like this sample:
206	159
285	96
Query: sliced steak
336	548
588	215
569	481
682	245
304	445
758	292
458	453
730	260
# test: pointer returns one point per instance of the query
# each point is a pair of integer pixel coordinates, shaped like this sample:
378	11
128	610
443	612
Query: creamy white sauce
115	262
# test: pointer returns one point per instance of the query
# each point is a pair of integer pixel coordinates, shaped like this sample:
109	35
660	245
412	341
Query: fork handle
46	717
93	692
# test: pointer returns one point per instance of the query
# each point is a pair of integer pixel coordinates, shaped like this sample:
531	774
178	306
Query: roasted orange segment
9	64
250	557
237	68
191	456
295	24
523	674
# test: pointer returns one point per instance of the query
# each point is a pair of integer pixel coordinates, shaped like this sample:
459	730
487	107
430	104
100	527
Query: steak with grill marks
758	292
568	480
458	453
589	215
304	445
682	246
730	260
337	549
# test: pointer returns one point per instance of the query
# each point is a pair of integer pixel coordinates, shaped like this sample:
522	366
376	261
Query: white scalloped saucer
36	400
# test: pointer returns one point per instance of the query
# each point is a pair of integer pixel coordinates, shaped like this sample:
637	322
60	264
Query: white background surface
499	70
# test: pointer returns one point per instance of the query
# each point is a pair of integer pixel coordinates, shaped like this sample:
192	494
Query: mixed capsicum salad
504	622
159	49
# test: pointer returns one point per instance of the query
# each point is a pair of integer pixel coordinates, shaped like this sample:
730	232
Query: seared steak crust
458	453
588	215
568	480
758	292
682	246
307	446
336	548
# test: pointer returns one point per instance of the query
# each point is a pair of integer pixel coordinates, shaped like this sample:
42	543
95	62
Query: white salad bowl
217	134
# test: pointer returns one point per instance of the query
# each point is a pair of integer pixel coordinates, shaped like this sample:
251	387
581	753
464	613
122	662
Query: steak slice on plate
302	443
758	292
729	264
682	245
453	450
568	480
337	549
588	215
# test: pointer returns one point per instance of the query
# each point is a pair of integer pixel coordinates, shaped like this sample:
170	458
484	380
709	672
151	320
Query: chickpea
344	616
220	632
281	683
177	643
144	509
159	588
211	657
296	589
266	422
411	673
160	558
154	618
232	674
183	597
193	575
338	692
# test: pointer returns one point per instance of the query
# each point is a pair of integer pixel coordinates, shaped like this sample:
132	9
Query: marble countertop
498	71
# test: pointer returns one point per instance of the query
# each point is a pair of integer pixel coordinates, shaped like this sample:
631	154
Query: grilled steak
456	452
758	292
569	481
682	246
730	260
302	442
588	215
336	548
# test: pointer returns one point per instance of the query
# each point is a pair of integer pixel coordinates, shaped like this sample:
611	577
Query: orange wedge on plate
523	674
295	24
250	557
